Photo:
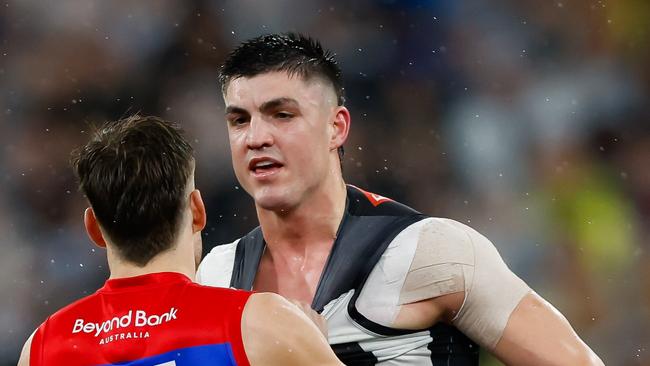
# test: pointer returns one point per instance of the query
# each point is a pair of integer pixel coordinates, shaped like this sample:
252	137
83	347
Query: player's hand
318	319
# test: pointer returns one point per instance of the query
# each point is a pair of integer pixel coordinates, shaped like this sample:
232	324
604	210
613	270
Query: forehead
254	91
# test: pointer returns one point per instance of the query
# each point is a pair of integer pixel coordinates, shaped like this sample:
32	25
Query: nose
259	134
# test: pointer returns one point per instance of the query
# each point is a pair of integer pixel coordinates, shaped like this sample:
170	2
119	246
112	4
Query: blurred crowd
527	120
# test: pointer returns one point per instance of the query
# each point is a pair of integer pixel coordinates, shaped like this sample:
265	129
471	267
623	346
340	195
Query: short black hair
135	172
293	53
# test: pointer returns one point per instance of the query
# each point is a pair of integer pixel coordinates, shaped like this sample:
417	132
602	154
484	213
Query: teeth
263	164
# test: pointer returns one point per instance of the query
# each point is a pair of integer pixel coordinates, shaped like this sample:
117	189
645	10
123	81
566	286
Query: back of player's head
135	174
293	53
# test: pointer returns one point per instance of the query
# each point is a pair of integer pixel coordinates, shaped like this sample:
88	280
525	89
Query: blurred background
526	120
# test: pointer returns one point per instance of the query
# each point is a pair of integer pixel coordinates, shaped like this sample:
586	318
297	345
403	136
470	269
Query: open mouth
264	166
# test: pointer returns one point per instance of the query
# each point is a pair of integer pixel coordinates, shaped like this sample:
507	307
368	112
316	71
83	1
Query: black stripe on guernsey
364	234
451	347
372	326
352	354
247	260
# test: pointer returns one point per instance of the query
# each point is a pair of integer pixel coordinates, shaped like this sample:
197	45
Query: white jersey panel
388	276
216	268
404	350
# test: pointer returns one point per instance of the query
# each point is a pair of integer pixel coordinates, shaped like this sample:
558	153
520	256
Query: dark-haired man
396	286
138	176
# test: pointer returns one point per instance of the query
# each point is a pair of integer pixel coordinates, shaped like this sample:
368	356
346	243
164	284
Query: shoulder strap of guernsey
369	224
247	259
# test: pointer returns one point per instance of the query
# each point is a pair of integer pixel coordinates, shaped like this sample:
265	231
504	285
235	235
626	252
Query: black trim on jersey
364	234
352	354
451	347
247	260
372	326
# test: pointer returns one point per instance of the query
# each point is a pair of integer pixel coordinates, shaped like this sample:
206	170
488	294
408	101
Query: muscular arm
486	301
276	332
538	334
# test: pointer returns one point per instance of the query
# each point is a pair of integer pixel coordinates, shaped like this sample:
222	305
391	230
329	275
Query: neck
170	260
314	222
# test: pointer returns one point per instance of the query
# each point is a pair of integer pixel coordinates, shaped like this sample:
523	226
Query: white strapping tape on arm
451	257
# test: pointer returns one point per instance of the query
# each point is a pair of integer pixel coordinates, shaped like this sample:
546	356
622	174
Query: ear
92	228
199	217
340	127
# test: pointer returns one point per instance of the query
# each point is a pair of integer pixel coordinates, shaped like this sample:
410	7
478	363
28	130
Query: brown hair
135	172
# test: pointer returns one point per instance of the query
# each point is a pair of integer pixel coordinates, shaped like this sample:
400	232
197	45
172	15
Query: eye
237	120
283	115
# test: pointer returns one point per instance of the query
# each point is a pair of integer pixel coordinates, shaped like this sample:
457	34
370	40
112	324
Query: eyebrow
275	103
235	110
266	106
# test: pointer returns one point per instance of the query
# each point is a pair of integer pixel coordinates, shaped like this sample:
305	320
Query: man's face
280	129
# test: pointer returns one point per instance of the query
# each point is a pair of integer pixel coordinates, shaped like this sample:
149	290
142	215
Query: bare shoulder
262	302
276	332
268	313
24	354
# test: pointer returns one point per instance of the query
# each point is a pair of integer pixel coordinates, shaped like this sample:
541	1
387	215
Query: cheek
236	143
237	151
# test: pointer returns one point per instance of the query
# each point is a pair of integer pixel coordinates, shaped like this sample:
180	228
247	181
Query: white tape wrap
436	257
491	294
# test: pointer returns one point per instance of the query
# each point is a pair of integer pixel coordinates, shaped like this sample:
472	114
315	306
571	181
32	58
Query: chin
273	200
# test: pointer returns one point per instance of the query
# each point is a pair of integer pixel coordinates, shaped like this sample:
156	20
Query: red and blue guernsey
160	319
